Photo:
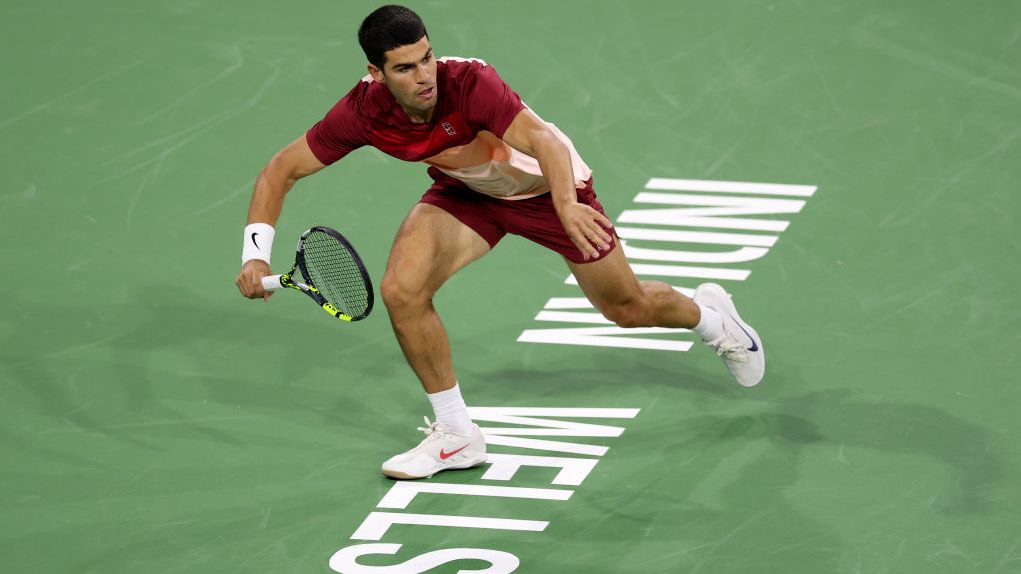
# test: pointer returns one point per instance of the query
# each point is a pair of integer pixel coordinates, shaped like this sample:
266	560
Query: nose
422	74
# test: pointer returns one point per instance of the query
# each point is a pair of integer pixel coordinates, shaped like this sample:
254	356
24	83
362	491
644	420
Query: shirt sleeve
337	134
490	104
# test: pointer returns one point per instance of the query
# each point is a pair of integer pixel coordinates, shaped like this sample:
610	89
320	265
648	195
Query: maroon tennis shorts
534	218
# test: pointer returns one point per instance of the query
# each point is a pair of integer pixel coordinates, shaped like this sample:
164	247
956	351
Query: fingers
250	288
604	223
249	280
587	228
598	230
589	244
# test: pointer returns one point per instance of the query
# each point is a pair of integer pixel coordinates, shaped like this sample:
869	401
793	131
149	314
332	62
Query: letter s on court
344	560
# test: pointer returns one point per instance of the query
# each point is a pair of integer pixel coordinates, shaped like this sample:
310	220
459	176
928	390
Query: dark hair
389	27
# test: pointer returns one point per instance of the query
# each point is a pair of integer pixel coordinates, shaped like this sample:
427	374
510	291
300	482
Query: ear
377	74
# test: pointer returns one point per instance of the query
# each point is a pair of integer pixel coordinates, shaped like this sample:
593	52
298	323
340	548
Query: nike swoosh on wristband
253	239
446	455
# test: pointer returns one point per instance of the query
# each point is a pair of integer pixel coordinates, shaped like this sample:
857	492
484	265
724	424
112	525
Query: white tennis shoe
740	346
441	450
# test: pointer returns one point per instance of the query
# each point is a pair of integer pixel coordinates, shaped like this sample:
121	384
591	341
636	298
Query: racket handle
271	283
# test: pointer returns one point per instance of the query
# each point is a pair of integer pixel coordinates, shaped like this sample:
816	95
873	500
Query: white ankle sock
710	326
451	410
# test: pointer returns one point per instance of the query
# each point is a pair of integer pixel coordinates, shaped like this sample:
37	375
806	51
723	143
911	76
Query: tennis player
497	168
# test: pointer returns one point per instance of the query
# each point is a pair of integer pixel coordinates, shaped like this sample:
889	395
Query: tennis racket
334	276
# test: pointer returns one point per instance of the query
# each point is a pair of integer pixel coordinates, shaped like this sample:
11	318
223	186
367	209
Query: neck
418	116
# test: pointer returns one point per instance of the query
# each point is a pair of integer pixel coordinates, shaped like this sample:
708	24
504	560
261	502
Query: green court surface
151	420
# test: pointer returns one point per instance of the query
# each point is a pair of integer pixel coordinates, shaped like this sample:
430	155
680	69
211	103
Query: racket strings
335	273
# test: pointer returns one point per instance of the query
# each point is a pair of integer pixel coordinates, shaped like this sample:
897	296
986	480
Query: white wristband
258	242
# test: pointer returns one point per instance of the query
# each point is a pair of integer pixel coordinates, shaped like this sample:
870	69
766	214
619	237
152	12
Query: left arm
585	226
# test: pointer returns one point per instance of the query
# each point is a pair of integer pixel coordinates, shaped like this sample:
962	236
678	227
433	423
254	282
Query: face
410	74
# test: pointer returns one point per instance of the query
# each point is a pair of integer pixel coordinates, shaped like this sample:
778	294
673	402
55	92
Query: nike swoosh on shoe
755	345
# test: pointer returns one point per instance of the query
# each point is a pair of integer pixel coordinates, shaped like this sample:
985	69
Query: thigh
431	245
608	281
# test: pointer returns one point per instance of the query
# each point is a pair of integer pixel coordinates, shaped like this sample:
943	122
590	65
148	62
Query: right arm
278	177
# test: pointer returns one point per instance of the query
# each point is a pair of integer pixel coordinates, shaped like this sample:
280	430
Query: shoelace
729	348
432	428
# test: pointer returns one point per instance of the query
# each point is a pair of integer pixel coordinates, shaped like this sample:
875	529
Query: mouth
426	93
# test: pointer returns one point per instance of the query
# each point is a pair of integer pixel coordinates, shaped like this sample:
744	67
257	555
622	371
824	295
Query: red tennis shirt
462	140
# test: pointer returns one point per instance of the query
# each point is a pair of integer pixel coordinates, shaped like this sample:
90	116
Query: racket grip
271	282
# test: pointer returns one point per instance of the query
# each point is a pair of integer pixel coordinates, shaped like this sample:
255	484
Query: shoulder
366	100
461	71
486	101
460	63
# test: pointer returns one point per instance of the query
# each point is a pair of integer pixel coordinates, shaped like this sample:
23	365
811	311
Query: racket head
329	263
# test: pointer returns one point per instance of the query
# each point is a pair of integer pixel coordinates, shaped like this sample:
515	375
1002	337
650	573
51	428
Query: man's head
397	46
389	27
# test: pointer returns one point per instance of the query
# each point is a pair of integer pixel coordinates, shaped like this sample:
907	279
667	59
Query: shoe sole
404	476
720	296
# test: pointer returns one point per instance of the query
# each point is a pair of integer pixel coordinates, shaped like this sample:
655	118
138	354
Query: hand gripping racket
334	276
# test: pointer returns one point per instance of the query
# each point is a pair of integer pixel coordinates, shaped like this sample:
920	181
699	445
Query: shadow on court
150	359
723	474
175	395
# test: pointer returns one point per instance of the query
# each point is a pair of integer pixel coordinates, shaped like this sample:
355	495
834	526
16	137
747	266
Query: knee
627	314
399	295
